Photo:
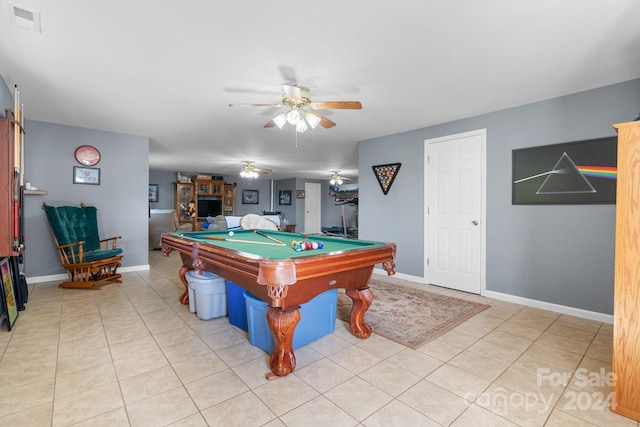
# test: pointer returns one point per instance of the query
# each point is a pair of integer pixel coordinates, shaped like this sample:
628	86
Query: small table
283	277
290	228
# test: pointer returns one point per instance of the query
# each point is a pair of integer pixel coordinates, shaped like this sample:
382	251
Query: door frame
482	133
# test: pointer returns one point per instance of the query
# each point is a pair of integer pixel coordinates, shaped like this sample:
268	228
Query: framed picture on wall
581	172
153	193
249	197
86	175
284	197
299	194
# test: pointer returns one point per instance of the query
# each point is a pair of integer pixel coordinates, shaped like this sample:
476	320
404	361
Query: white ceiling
168	70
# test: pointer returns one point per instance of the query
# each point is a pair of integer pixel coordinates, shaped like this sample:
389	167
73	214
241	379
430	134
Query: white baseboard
50	278
557	308
402	276
572	311
142	267
63	276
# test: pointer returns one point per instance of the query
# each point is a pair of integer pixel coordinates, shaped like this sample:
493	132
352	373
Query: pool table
283	277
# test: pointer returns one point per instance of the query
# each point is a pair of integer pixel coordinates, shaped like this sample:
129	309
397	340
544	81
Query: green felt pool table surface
262	246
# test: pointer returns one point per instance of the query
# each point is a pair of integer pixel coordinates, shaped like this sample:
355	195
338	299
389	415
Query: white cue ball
230	233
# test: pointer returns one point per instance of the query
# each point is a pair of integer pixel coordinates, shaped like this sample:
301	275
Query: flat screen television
209	206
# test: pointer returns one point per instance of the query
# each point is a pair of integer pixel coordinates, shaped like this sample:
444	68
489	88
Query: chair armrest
71	256
112	245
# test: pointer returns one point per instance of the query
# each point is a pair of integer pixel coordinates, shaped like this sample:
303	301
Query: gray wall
560	254
287	211
6	97
121	197
329	212
164	181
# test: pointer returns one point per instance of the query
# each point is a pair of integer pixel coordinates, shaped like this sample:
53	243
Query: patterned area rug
409	316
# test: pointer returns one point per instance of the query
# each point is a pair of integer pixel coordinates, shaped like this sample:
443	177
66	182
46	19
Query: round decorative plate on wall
87	155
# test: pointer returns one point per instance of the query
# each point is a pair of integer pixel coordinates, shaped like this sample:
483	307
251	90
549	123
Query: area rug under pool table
409	316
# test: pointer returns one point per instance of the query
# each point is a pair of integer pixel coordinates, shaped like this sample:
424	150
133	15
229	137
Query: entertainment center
205	196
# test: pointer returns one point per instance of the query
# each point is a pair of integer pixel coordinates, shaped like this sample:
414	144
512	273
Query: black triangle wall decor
386	174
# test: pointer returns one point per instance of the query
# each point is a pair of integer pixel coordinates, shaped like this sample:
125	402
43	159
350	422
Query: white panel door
455	211
312	207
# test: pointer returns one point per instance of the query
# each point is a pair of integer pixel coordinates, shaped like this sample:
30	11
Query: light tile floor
131	354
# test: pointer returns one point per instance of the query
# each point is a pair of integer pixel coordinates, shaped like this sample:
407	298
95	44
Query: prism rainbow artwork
581	172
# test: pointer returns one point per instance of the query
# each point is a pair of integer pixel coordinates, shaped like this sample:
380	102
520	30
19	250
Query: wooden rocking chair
90	262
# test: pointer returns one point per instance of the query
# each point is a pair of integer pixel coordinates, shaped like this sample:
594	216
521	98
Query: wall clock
87	155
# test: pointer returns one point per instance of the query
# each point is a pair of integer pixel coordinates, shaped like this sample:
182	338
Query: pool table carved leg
282	324
184	298
389	267
362	299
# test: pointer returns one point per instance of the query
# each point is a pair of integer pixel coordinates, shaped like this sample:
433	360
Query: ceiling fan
250	171
300	111
337	179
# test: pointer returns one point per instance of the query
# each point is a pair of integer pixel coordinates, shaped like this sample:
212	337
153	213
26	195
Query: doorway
312	207
455	226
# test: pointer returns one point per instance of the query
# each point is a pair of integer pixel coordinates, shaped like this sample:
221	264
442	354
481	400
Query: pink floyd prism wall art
581	172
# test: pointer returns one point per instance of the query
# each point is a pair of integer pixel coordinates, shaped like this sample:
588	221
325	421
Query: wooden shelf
626	294
35	192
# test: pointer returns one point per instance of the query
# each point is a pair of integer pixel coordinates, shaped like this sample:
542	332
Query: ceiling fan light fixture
312	119
248	172
301	126
280	120
296	100
336	179
293	117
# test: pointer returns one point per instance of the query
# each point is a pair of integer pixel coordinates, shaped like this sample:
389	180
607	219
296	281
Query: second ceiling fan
250	171
301	111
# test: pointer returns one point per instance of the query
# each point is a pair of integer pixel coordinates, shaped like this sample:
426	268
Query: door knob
474	222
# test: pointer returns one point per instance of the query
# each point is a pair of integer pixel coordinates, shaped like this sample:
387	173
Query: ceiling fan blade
270	92
270	124
335	105
255	105
324	122
288	74
293	92
260	170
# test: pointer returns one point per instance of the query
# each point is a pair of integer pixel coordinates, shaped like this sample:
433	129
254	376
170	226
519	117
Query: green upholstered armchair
89	261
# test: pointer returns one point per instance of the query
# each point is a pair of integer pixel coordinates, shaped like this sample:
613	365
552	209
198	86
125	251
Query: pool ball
231	233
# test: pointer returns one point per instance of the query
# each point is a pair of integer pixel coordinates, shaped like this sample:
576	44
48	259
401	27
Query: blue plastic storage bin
236	306
317	319
210	294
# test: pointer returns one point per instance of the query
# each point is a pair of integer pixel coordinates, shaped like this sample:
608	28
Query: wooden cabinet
11	219
209	187
184	195
626	326
210	197
229	199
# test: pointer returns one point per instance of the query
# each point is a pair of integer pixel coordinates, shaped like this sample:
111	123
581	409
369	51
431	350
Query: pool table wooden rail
250	271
